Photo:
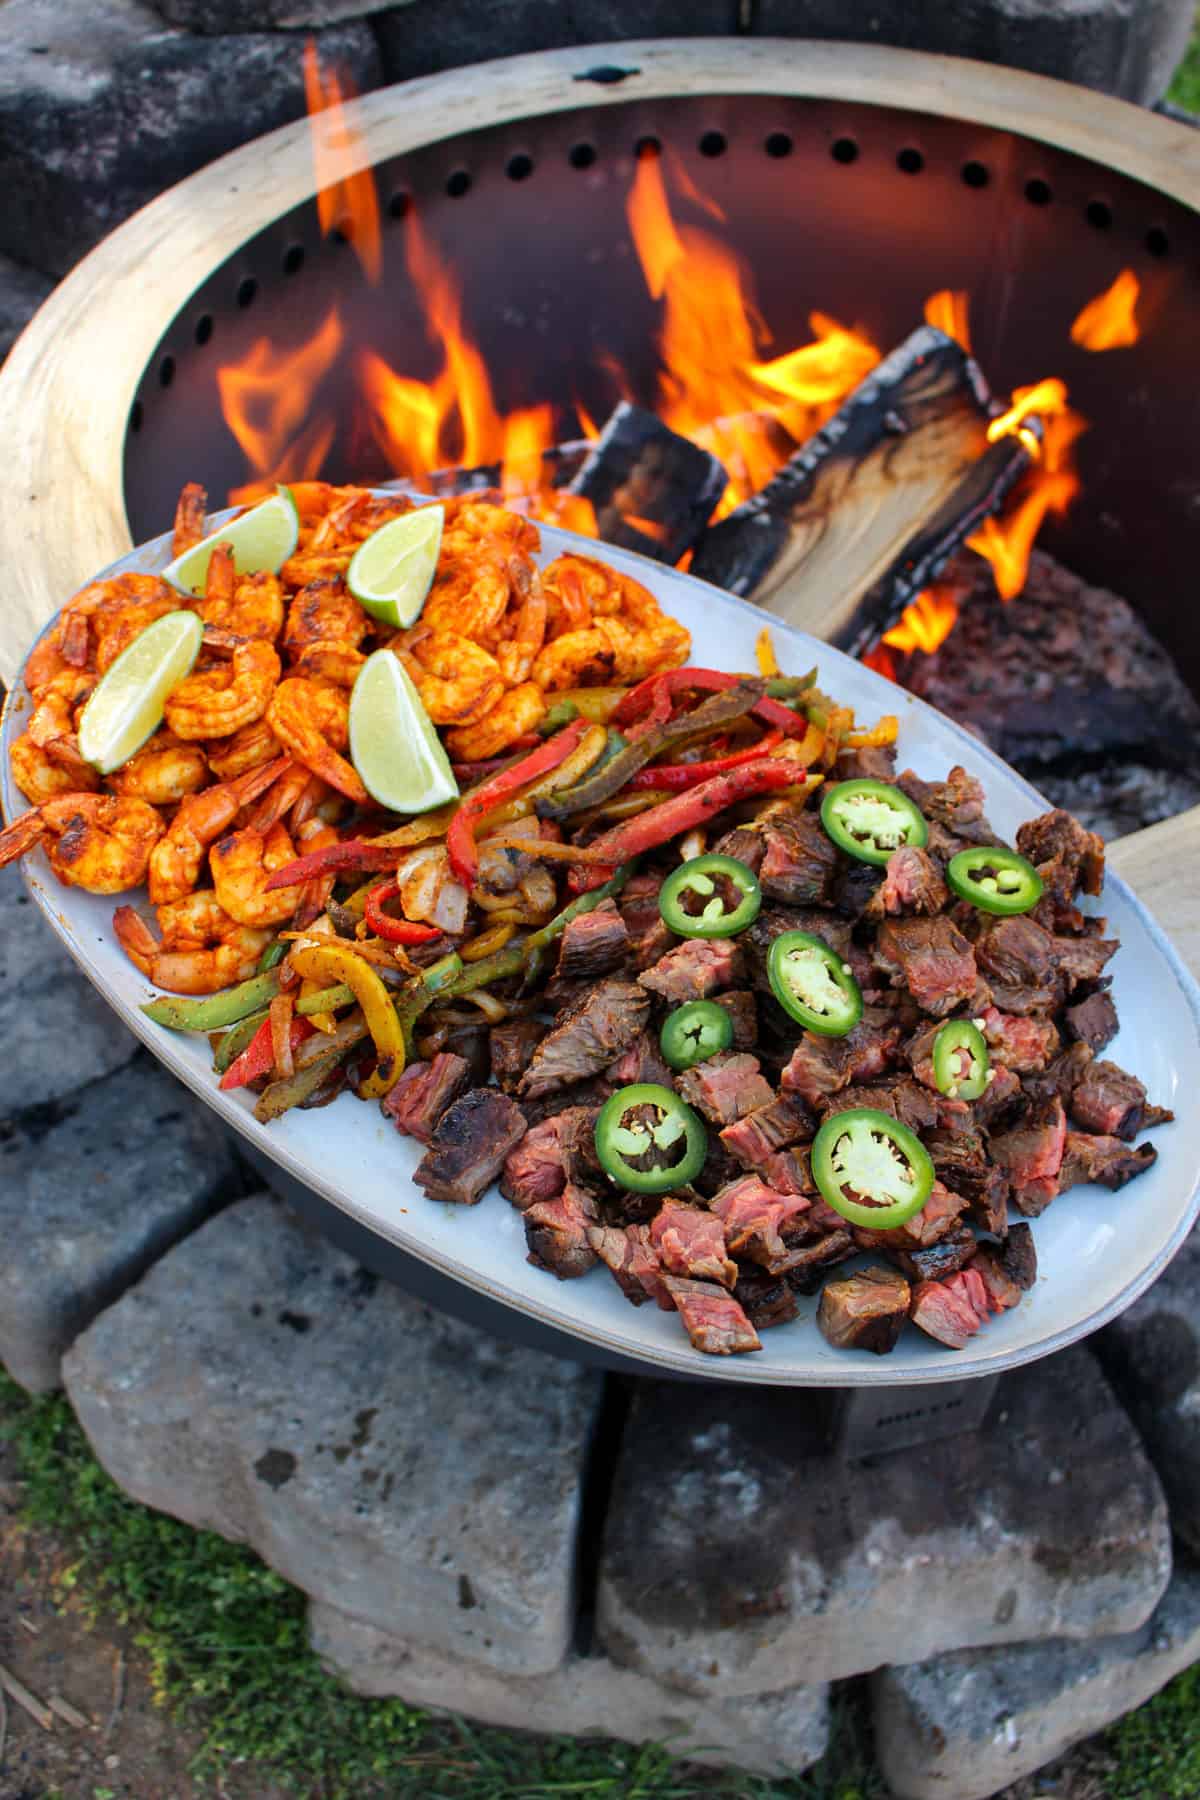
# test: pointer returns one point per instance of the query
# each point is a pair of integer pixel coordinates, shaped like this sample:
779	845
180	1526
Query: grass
1185	84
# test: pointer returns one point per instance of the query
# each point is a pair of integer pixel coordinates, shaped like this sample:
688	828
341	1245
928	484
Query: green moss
1185	85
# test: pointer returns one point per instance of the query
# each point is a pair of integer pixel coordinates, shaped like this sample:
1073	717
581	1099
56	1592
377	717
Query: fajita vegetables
674	953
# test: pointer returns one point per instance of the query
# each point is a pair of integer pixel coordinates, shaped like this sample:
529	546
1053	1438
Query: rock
1125	49
22	291
224	17
738	1558
414	1473
1151	1355
100	109
58	1034
588	1696
427	35
960	1727
93	1189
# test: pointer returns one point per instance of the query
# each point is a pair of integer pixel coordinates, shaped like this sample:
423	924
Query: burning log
841	515
652	490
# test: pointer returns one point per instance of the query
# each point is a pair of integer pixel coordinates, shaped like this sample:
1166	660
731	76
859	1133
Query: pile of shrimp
249	768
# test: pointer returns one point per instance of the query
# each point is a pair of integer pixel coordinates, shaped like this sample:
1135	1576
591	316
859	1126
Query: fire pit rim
70	381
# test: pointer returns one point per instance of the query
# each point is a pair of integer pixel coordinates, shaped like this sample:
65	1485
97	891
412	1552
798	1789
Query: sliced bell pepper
355	853
683	812
648	696
678	776
215	1011
338	963
386	925
258	1058
460	838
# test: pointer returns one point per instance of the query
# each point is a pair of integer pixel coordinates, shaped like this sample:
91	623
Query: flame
926	623
947	310
346	199
1051	486
1108	322
266	401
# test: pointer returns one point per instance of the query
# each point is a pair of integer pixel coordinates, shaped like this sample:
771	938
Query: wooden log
652	490
837	517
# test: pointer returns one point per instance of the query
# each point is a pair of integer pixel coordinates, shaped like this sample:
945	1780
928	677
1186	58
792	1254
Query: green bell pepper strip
215	1011
813	984
711	919
236	1039
871	1169
433	983
870	819
672	1124
274	953
994	879
563	712
961	1060
694	1032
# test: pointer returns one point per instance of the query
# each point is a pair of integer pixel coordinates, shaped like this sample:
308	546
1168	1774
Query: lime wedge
393	744
262	538
392	571
126	706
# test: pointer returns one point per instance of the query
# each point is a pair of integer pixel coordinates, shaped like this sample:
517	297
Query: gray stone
22	291
92	1190
428	35
1125	47
421	1476
1151	1355
960	1727
58	1034
588	1696
102	108
222	17
738	1558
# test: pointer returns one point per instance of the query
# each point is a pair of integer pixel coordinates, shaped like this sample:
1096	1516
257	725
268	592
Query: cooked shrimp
189	517
471	591
337	663
246	749
241	864
567	606
201	949
115	630
247	606
324	613
645	649
176	861
522	709
93	841
515	656
41	778
164	771
314	834
46	660
469	520
220	701
576	659
279	798
457	681
316	795
313	722
53	721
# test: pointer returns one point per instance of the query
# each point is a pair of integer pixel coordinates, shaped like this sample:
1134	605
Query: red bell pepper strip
460	838
680	776
650	694
258	1058
683	812
385	925
355	853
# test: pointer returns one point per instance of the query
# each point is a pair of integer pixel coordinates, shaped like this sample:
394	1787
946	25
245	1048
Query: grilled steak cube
556	1232
534	1170
724	1087
821	1066
902	1097
961	1162
1019	1257
1024	1044
423	1092
649	937
740	1004
954	806
912	883
946	1257
580	1093
510	1047
757	938
1002	1291
952	1310
471	1043
936	1220
593	944
765	1299
586	1037
1093	1021
800	864
759	1134
932	959
1031	1154
753	1216
745	843
642	1061
469	1145
691	1241
993	1107
1112	1103
867	1311
1107	1160
855	886
809	1263
1016	957
1068	858
1062	1076
1083	959
876	762
712	1318
694	969
627	1253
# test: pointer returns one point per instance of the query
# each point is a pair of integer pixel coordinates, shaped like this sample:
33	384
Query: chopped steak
1024	1044
694	969
1019	1257
1062	1076
1016	958
649	937
960	1160
1002	1291
932	959
952	1310
1093	1021
510	1046
902	1097
691	1241
809	1263
822	1066
588	1035
1068	858
725	1087
993	1106
785	1121
627	1252
936	1219
1031	1155
1081	959
740	1004
593	944
753	1215
1107	1160
556	1232
547	1106
946	1257
1113	1104
801	861
534	1170
469	1144
745	843
856	885
789	1172
757	939
765	1299
871	763
956	805
641	1062
712	1318
866	1311
471	1043
912	883
423	1092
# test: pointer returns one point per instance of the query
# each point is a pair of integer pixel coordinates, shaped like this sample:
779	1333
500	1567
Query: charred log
651	489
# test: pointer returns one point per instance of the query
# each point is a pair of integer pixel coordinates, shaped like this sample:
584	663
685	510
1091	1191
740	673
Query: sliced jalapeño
813	984
871	1169
694	1032
710	896
994	879
871	819
960	1060
649	1140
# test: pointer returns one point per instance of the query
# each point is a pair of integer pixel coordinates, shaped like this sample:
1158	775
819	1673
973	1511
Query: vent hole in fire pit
247	292
166	371
909	161
844	150
1157	241
136	416
581	156
712	143
975	175
519	167
1038	192
1098	214
648	145
779	145
399	205
293	259
203	328
458	184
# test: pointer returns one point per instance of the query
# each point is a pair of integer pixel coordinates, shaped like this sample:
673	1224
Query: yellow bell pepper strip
335	962
216	1011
